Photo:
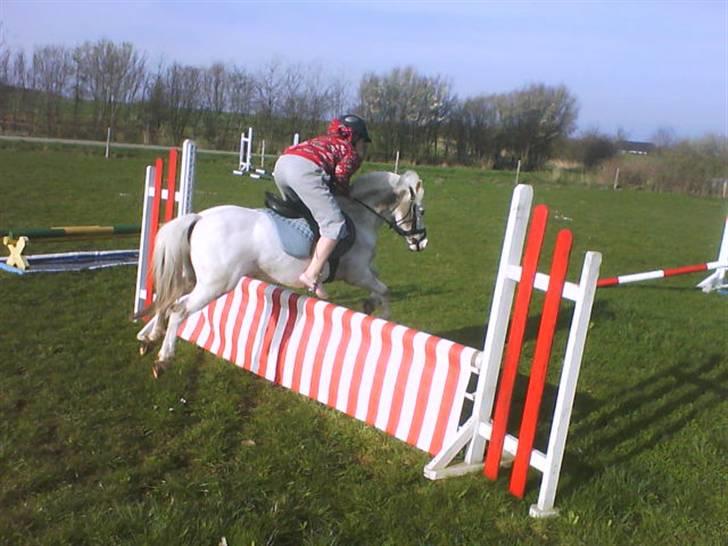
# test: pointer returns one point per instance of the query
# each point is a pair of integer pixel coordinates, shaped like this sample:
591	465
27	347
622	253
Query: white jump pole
716	281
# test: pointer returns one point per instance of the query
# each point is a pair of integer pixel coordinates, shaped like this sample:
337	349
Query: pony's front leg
376	300
378	293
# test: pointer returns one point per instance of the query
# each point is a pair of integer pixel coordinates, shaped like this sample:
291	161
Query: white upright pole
108	141
143	264
241	155
717	280
518	171
249	151
567	386
187	177
396	163
245	158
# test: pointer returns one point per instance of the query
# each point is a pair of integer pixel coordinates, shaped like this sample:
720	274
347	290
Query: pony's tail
172	269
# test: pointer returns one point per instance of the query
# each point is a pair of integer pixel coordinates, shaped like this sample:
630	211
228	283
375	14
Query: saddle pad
294	233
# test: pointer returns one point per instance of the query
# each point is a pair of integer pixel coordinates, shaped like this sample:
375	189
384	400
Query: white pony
200	256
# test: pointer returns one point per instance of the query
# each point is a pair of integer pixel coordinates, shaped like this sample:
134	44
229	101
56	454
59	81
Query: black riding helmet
357	125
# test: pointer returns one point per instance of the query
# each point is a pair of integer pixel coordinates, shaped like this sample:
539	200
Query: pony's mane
374	185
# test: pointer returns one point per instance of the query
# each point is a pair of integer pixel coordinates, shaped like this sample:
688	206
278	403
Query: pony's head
410	211
396	200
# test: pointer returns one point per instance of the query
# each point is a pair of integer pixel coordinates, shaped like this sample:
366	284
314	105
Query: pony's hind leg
196	300
151	333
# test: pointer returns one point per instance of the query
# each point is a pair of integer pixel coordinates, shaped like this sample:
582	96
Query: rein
394	226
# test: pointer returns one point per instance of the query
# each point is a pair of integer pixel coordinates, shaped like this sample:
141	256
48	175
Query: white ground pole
183	197
245	159
717	279
477	430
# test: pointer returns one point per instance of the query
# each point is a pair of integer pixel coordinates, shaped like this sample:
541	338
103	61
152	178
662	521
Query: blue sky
633	65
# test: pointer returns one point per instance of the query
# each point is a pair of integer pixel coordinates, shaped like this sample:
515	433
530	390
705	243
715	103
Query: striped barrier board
402	381
413	385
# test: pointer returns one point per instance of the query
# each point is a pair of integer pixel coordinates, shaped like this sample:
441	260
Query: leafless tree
474	128
109	75
242	97
664	138
532	120
407	108
154	106
52	68
182	94
5	55
269	82
215	96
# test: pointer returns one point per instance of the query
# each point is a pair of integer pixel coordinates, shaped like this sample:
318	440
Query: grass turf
92	450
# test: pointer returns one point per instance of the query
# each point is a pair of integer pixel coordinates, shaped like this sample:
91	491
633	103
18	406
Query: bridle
395	225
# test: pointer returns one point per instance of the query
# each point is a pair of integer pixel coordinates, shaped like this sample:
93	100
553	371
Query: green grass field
94	451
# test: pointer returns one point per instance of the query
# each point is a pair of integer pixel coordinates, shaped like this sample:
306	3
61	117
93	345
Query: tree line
80	91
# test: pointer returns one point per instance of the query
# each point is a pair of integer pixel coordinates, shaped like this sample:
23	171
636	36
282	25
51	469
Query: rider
313	171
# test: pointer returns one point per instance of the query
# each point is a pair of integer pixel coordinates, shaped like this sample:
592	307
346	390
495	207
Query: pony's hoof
158	369
144	348
369	307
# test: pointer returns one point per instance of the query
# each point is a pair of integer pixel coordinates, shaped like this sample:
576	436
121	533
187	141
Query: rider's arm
346	167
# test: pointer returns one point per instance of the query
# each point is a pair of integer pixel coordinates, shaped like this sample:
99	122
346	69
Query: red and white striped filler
659	274
407	383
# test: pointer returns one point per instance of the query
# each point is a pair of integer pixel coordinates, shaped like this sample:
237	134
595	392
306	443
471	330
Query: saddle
292	208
